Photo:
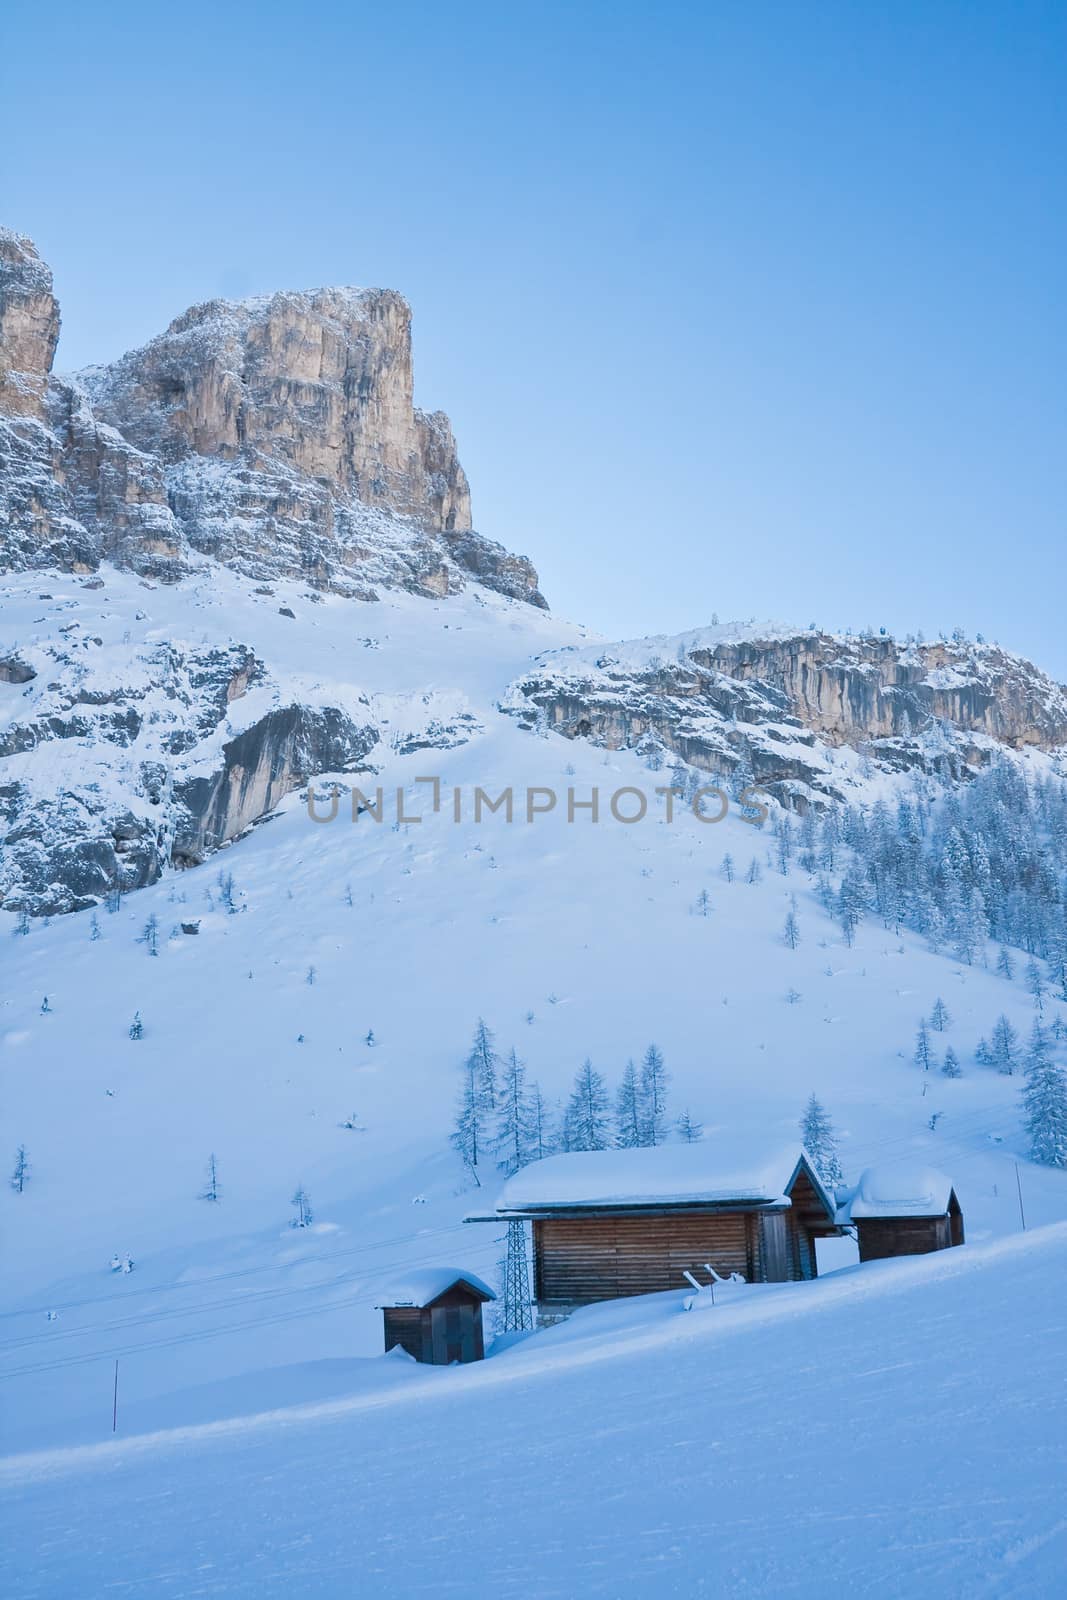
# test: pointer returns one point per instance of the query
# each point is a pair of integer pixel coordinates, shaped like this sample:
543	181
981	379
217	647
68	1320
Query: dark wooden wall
447	1331
881	1237
403	1326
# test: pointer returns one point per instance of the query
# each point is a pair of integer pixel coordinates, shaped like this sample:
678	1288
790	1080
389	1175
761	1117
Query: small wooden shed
436	1315
612	1223
903	1211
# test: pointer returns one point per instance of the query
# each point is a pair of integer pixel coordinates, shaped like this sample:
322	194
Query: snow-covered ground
572	939
893	1430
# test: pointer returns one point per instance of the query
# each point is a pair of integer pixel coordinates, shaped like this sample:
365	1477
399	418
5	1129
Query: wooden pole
1019	1186
115	1400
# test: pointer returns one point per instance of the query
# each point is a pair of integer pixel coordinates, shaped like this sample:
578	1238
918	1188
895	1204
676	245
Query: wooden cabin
903	1211
436	1316
612	1223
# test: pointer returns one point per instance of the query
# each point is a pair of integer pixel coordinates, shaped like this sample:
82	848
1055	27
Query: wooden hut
612	1223
436	1316
903	1211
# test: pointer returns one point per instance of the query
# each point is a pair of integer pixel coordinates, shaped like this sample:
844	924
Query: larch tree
542	1140
924	1054
629	1130
515	1139
211	1190
653	1083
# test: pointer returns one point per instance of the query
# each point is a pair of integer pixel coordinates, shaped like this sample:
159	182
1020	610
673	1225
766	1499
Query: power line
225	1277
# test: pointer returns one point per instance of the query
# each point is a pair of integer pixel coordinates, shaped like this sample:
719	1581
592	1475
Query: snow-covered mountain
238	976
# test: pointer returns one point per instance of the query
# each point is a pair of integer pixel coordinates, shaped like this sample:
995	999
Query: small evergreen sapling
211	1190
939	1017
791	931
137	1026
689	1129
301	1203
951	1066
20	1174
923	1052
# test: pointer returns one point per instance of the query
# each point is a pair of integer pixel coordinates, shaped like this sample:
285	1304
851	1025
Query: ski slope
572	939
896	1429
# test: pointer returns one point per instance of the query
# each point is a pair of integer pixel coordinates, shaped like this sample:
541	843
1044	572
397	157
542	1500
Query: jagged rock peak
29	325
277	434
318	382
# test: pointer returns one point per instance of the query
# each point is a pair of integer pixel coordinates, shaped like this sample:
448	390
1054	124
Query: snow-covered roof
898	1191
716	1170
426	1284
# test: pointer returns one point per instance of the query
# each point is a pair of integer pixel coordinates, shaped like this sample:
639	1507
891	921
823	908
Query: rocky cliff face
804	714
277	435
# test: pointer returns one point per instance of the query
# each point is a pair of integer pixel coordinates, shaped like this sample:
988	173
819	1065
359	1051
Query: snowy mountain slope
570	938
894	1430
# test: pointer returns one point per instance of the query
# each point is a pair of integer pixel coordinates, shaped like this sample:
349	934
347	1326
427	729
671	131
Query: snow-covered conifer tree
817	1134
726	867
137	1026
301	1203
586	1123
1005	965
939	1017
1005	1046
951	1064
1045	1102
791	930
689	1129
483	1061
629	1122
1035	983
923	1052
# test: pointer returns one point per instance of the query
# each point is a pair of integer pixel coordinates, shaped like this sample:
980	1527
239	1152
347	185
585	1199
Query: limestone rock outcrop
775	706
278	435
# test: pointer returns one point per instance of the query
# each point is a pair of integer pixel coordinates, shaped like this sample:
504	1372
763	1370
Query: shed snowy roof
898	1191
714	1171
426	1284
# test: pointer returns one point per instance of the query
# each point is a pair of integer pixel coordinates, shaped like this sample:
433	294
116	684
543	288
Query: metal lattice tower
517	1310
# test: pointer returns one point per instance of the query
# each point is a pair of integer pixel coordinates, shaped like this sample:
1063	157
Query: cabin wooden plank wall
403	1326
578	1260
880	1237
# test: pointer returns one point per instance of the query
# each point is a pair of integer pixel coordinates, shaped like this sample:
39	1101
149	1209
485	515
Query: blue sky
746	308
